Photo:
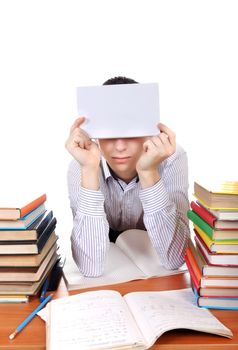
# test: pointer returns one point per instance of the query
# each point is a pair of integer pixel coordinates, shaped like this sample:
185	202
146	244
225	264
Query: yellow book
230	247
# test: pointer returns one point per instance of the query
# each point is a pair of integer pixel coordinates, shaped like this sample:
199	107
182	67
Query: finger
147	145
79	121
171	135
164	138
156	140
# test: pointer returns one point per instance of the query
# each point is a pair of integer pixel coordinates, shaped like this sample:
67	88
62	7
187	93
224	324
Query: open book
106	320
131	257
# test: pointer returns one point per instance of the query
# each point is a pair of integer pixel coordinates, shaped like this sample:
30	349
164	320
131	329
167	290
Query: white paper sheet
124	110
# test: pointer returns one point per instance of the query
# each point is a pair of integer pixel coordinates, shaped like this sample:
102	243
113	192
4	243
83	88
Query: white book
225	214
131	257
123	110
105	320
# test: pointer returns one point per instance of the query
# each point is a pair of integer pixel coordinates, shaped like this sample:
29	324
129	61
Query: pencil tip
12	336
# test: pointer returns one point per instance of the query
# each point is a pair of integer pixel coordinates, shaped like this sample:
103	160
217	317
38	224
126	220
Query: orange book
15	213
193	262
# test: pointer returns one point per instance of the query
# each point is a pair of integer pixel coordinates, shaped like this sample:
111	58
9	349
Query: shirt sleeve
89	238
165	208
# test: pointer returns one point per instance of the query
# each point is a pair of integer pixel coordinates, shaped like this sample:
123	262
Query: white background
47	48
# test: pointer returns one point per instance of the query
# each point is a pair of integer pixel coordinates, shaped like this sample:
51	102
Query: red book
204	213
212	220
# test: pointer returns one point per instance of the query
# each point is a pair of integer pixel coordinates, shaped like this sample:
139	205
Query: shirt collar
105	168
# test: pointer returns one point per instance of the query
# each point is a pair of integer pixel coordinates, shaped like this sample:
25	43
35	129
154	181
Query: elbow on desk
90	273
172	262
89	268
173	265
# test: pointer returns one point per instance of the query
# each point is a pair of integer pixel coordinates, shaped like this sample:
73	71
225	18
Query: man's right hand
82	148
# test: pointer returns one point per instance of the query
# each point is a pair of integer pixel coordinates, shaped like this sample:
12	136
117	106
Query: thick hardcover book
33	232
219	292
214	234
210	282
204	269
212	220
215	258
223	303
29	247
107	320
215	302
220	246
225	214
15	213
203	213
220	196
24	222
27	274
27	288
30	260
13	299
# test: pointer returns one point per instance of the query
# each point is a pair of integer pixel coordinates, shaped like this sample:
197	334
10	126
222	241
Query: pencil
30	317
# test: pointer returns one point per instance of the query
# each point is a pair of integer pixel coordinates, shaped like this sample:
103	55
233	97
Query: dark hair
120	80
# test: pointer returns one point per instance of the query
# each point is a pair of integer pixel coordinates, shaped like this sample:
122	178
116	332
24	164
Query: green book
224	236
197	220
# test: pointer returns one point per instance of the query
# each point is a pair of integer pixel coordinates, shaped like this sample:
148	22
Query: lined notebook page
158	312
92	320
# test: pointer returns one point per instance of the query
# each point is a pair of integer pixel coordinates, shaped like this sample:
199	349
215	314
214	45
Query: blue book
218	303
215	302
25	222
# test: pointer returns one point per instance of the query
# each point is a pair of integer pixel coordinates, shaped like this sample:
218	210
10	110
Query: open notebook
131	257
105	320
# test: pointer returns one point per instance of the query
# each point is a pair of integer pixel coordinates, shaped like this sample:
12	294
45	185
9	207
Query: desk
33	336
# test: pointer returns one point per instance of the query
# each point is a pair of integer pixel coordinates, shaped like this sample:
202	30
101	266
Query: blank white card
123	110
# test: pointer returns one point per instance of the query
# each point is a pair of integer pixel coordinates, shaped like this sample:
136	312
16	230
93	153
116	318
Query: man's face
122	155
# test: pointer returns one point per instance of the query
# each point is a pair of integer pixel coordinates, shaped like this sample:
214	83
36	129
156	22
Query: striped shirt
160	209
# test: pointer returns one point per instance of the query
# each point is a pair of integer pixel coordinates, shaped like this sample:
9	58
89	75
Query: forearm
166	224
148	178
89	237
90	178
90	243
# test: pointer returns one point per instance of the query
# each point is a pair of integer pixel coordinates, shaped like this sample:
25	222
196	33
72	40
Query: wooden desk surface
32	336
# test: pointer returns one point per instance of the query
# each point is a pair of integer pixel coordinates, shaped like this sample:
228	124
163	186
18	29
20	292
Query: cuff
154	198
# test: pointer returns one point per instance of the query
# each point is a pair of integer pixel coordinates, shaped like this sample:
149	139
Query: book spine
32	205
44	222
46	234
194	263
204	214
204	237
192	274
200	223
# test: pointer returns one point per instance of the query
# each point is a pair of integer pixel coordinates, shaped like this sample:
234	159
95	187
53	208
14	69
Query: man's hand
155	150
79	145
86	152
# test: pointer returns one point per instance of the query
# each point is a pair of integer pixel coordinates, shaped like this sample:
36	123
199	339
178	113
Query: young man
125	183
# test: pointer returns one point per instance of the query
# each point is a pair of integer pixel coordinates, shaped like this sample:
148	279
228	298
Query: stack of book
212	259
28	249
